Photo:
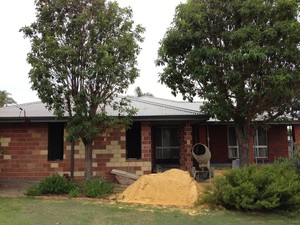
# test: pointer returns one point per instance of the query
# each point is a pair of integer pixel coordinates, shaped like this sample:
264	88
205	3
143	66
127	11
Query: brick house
162	135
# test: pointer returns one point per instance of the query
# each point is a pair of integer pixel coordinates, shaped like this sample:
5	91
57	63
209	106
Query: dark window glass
261	136
55	141
167	143
133	141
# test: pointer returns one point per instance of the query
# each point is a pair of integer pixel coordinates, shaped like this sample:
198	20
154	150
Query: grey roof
149	108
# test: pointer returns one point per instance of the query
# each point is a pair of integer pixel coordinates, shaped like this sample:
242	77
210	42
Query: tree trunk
243	134
88	172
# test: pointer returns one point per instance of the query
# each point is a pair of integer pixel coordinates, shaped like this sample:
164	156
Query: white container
236	163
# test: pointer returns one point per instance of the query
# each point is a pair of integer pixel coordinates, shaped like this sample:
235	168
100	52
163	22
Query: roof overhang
32	119
172	118
164	118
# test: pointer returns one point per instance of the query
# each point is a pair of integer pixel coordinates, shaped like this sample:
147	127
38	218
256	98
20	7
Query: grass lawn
30	211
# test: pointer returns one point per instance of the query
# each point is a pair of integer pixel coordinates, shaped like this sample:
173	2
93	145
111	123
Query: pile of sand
173	187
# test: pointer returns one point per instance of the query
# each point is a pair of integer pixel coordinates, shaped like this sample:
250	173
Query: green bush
33	191
96	187
54	184
267	187
295	161
74	193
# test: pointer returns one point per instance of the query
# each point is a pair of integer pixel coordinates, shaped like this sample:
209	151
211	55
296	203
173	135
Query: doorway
166	148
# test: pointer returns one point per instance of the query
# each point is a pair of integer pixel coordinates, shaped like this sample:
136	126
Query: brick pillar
146	142
186	144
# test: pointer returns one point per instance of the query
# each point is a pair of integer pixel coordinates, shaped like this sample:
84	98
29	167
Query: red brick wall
203	134
296	132
277	142
26	153
218	143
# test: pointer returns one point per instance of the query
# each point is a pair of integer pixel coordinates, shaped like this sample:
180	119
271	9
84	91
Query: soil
173	187
14	189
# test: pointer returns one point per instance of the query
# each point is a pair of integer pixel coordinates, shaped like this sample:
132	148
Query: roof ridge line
166	105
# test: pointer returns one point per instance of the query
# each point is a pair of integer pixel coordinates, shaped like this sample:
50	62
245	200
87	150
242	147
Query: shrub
274	186
96	187
54	184
295	160
33	191
74	193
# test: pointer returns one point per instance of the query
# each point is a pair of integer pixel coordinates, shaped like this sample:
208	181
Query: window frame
257	147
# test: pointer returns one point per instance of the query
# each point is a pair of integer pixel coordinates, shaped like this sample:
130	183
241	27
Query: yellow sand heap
173	187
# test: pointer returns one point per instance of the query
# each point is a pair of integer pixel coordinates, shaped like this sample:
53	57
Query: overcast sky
155	15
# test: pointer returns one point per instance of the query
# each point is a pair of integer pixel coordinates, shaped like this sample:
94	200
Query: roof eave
32	119
199	118
159	118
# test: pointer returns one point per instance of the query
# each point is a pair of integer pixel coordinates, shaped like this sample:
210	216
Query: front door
166	148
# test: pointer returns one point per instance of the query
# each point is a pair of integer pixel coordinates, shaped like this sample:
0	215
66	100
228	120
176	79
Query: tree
83	54
5	99
139	93
241	57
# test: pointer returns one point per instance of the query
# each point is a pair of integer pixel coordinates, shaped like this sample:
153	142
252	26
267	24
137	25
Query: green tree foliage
5	99
242	57
269	187
139	93
83	54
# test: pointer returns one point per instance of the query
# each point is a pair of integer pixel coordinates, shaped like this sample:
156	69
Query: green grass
31	211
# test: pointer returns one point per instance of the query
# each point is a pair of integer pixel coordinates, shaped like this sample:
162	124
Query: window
233	148
55	141
133	141
260	144
167	143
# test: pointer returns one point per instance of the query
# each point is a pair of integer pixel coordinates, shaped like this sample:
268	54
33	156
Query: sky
155	15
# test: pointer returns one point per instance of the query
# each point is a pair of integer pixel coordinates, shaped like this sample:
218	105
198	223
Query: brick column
146	143
186	145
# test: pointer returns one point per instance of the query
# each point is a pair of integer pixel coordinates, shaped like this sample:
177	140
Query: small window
55	141
133	141
233	149
260	144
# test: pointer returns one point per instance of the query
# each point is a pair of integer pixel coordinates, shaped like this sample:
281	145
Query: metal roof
149	108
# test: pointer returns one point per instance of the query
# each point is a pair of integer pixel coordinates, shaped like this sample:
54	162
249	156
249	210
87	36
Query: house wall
296	133
218	144
277	142
26	153
26	150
